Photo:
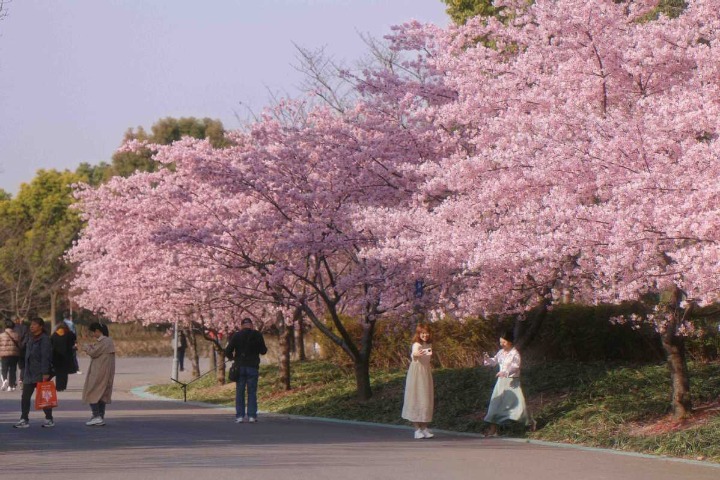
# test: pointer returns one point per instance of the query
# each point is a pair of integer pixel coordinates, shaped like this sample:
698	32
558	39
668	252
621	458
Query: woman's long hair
422	328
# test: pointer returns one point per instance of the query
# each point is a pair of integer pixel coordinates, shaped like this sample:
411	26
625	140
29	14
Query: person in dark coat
38	355
181	347
245	347
63	358
23	333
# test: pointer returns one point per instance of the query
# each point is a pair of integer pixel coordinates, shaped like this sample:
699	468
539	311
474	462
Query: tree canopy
37	228
461	10
164	132
39	225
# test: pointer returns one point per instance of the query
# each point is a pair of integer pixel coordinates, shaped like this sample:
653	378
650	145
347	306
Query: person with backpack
245	347
10	354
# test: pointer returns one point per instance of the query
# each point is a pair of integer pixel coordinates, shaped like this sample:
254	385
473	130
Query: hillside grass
617	406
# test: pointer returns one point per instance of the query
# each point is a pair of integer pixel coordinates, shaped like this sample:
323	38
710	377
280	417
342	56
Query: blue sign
419	288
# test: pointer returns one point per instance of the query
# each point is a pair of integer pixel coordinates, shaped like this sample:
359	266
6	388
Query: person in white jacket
507	401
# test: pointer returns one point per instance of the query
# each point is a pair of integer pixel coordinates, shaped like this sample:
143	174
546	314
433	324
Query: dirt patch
667	424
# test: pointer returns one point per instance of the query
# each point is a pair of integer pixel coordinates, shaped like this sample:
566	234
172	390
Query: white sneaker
48	423
95	422
252	419
419	434
4	385
11	389
426	433
22	424
239	420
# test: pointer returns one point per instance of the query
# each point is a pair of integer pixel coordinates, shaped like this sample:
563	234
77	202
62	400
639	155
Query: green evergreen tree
461	10
165	132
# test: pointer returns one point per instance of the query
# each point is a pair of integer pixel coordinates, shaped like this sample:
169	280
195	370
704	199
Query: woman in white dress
507	401
419	389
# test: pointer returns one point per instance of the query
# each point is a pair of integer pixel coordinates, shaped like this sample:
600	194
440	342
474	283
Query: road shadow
139	424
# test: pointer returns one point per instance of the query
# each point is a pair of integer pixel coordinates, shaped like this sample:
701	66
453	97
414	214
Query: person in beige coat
101	374
10	354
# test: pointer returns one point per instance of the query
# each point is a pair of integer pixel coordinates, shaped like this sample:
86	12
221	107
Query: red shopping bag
45	395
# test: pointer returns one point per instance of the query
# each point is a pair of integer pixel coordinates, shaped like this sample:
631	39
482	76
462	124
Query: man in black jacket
245	347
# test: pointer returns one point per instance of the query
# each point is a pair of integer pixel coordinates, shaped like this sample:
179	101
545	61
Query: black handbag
234	372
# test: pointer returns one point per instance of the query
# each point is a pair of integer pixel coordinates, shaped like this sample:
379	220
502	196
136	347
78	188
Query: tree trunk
194	355
680	399
299	336
53	310
284	339
220	363
213	357
674	347
362	362
360	356
362	379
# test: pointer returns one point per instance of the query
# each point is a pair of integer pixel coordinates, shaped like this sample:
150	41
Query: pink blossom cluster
586	157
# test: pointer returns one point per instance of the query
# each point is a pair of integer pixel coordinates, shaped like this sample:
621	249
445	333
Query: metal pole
174	374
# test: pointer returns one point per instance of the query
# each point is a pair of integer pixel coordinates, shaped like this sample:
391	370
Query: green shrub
585	333
456	344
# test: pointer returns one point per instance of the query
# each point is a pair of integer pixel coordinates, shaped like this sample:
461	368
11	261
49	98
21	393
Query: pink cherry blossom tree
127	276
301	186
270	220
586	142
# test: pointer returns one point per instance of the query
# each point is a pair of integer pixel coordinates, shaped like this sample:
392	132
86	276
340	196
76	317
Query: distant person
63	358
67	319
38	354
10	355
507	401
419	399
181	346
23	332
101	374
245	347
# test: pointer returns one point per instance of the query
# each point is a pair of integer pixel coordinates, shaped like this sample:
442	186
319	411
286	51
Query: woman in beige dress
99	381
419	389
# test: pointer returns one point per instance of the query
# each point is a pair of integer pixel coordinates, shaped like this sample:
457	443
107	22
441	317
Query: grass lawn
610	406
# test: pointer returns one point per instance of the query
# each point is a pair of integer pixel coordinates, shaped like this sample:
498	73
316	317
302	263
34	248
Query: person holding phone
419	399
507	401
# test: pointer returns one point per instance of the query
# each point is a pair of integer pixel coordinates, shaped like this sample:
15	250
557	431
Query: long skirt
419	394
507	403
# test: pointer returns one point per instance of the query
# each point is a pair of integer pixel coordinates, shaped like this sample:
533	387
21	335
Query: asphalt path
149	438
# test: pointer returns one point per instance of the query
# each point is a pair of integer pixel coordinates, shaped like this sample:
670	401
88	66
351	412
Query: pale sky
76	74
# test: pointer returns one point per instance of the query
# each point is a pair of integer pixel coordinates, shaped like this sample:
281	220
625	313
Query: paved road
153	439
